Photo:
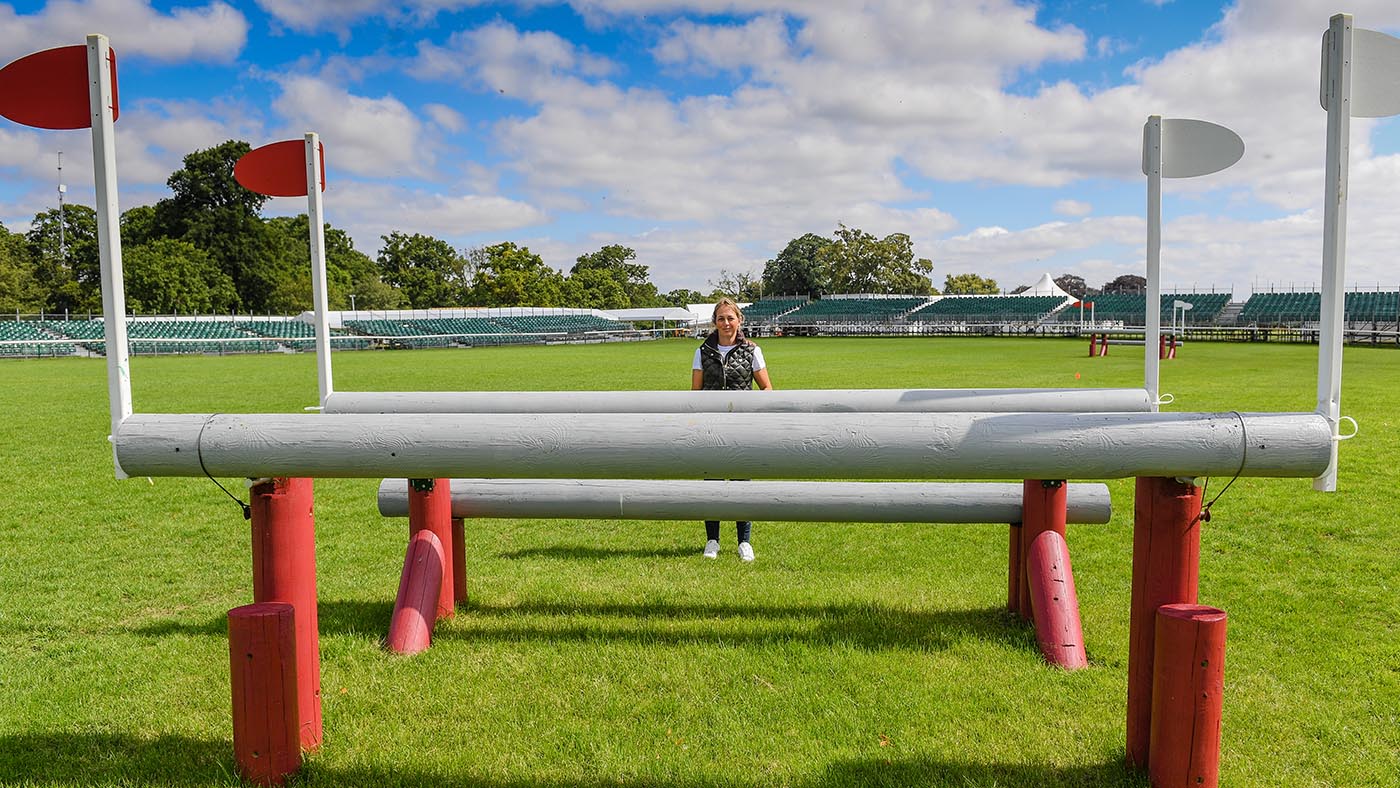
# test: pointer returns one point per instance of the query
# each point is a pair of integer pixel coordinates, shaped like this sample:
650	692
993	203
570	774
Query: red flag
278	169
49	89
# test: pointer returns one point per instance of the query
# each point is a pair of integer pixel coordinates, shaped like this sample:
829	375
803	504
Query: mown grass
609	653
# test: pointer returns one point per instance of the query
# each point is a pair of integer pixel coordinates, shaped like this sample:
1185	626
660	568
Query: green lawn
599	653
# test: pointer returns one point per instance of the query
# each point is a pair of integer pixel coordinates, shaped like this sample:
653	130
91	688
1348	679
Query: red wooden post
1014	570
262	654
1103	344
1166	569
1093	345
1055	603
459	561
1042	509
420	583
1188	684
284	570
430	508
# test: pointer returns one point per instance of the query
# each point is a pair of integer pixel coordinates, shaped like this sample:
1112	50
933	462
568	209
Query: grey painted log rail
857	502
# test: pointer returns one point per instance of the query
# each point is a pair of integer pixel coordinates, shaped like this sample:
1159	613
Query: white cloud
1072	208
377	137
213	32
446	117
369	210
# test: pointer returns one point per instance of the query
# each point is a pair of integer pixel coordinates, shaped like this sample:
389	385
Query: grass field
610	653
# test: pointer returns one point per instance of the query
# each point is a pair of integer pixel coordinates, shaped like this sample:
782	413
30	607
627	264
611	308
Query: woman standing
727	360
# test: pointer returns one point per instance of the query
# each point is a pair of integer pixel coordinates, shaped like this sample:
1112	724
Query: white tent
1045	286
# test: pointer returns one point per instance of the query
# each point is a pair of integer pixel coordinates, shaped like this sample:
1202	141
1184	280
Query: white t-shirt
758	362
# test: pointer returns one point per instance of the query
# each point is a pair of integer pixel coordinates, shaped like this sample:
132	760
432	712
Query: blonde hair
729	302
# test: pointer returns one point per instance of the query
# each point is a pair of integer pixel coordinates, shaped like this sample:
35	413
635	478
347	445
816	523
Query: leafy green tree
71	279
371	292
19	290
738	285
346	266
969	284
426	270
211	210
615	261
683	298
165	276
798	269
1130	284
594	288
858	262
508	275
138	225
1072	284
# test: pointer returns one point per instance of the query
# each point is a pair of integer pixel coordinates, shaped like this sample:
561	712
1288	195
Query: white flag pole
319	300
1336	90
1152	167
109	241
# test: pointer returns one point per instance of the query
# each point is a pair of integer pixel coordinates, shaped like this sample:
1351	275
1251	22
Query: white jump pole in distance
109	241
1360	78
1173	148
319	299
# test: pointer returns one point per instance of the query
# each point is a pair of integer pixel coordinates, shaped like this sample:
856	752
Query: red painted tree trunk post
1014	570
1166	570
1103	344
420	583
262	653
430	508
1093	344
284	570
1188	685
1055	603
459	561
1042	509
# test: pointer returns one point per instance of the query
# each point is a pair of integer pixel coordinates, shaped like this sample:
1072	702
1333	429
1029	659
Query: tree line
207	249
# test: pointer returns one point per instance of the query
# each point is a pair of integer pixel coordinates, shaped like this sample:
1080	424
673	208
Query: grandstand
852	310
989	309
1130	309
31	338
1376	308
768	310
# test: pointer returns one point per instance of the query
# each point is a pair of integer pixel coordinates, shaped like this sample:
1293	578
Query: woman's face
727	322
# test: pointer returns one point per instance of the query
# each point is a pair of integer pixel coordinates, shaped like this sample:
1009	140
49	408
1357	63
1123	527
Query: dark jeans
743	527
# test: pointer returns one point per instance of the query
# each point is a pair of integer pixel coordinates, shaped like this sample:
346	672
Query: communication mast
62	189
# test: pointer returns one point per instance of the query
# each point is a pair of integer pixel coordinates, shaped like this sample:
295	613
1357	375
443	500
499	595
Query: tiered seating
192	336
89	333
1373	307
400	328
852	310
1361	307
767	309
35	339
988	309
1282	308
558	324
1131	308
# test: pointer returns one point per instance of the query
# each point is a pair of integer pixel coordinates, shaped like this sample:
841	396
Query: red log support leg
459	561
415	606
1042	509
1093	345
1055	603
1014	570
263	675
1188	684
1166	570
430	508
284	570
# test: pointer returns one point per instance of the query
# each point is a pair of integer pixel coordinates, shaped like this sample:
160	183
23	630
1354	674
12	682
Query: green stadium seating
988	309
852	310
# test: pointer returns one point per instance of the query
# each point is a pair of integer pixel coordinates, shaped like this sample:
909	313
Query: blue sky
1002	137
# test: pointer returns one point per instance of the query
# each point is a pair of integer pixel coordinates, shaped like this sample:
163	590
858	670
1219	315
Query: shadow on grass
868	626
84	758
579	552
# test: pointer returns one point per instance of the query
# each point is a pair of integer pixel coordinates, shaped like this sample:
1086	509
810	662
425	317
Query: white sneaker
745	551
712	549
